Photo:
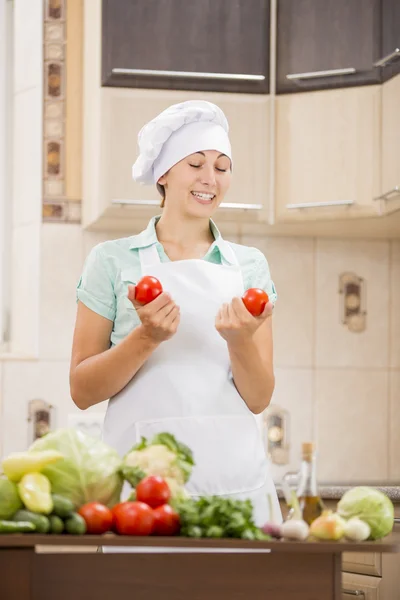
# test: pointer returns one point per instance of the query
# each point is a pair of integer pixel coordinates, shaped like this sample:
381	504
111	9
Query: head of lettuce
89	470
371	506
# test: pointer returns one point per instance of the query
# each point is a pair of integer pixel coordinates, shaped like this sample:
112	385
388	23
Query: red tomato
98	517
133	518
153	490
255	301
167	521
147	289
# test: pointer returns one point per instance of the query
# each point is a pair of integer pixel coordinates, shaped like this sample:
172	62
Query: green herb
217	517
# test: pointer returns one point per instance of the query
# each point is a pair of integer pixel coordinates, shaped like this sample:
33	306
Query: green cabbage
371	506
10	501
89	471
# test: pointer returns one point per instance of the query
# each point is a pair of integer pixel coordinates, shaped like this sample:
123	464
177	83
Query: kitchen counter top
390	543
334	491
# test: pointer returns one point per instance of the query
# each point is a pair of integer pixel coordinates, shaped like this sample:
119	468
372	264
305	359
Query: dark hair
161	191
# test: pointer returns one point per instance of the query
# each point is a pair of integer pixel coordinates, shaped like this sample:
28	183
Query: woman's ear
162	180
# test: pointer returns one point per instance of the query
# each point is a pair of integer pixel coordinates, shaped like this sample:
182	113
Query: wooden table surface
390	543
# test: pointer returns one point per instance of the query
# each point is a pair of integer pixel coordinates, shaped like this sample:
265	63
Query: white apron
186	388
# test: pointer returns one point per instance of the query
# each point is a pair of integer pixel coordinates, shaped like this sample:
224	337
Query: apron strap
148	256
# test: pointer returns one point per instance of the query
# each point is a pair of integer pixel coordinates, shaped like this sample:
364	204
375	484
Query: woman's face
198	183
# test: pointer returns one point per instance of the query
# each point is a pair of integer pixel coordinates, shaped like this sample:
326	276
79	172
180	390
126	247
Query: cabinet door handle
236	205
395	191
316	74
319	204
354	592
382	62
188	74
396	520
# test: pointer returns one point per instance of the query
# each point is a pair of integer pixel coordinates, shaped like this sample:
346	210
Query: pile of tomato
149	514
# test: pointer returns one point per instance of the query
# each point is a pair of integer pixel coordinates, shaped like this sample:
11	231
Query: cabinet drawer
361	587
363	563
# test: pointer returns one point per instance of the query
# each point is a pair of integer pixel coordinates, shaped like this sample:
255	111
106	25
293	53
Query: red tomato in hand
133	518
153	490
147	289
255	300
167	521
98	517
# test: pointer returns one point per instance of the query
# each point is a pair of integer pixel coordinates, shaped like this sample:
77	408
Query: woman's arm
250	348
97	371
252	368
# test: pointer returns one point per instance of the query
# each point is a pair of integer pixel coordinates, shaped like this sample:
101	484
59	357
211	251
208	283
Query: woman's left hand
235	323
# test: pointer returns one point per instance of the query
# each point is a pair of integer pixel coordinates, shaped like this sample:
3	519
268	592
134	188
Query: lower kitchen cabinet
366	564
367	576
361	586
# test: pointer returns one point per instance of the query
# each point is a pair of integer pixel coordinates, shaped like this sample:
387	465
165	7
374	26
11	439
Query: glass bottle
307	491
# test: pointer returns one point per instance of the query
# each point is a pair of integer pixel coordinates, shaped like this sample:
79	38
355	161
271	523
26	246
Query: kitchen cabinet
212	45
112	118
389	198
328	161
310	149
112	200
390	59
327	44
365	564
356	586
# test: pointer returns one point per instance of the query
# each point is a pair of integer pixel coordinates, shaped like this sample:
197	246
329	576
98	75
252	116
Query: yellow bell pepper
35	492
18	464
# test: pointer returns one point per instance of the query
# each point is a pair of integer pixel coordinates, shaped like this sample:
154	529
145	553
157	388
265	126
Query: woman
193	362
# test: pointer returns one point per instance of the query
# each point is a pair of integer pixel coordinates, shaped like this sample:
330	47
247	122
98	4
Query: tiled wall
342	389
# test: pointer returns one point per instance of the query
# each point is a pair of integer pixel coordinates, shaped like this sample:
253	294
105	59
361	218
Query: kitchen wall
341	389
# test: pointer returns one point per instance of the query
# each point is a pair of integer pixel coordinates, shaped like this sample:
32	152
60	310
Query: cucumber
56	524
75	524
62	507
16	527
41	523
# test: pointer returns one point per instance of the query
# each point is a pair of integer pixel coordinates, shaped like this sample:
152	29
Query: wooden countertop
389	544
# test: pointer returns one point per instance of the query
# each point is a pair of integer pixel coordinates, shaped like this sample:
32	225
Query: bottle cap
308	450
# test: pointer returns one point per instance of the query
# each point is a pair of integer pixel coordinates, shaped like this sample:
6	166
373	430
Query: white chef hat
177	132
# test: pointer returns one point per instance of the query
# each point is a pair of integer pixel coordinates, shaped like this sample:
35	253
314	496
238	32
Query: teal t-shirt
113	265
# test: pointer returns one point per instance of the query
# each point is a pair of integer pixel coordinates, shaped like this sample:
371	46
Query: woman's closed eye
217	169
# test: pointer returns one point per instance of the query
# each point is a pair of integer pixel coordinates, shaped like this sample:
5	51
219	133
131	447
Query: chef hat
177	132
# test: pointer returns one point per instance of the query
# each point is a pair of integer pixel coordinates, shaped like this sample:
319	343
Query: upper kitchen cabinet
389	199
390	59
328	154
112	118
325	44
209	45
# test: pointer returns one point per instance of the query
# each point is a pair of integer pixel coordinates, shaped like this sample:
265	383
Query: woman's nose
208	176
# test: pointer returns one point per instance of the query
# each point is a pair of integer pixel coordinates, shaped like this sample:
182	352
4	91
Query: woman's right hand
160	318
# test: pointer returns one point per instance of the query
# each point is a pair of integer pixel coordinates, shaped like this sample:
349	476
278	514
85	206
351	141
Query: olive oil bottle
307	491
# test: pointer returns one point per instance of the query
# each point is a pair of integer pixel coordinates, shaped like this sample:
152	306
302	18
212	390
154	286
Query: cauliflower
163	456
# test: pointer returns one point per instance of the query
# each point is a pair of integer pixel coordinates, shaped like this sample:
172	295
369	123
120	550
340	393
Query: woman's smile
203	197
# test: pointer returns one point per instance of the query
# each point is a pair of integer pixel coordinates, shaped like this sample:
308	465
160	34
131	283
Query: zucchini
56	524
16	527
75	524
41	523
62	507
